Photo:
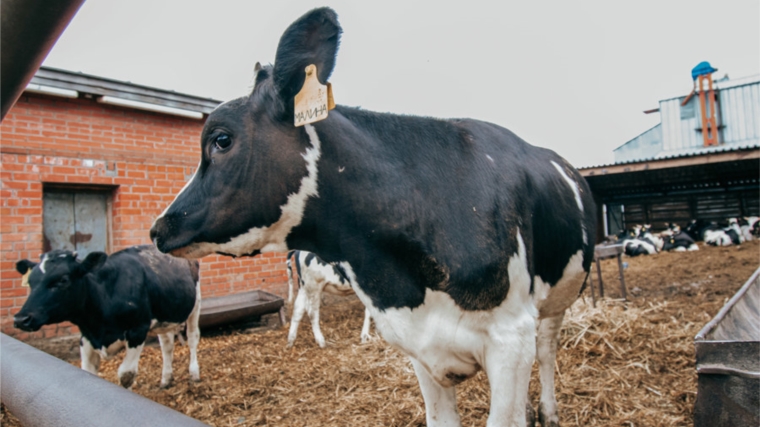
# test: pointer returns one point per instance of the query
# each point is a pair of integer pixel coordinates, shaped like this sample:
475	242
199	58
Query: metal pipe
28	30
41	390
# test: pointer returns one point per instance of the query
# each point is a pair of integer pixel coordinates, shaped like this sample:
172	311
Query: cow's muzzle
25	323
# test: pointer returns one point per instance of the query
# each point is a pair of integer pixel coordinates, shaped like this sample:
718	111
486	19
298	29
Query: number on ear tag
314	100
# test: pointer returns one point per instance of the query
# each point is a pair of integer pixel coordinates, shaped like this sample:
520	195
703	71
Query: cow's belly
552	301
157	327
451	343
107	351
341	290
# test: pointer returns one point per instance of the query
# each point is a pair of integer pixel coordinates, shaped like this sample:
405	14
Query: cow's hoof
127	379
530	415
166	383
545	420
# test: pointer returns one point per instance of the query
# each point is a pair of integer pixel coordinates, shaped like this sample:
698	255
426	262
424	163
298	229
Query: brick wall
142	158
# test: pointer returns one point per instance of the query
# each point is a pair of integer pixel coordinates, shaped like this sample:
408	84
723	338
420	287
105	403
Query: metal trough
217	311
728	362
41	391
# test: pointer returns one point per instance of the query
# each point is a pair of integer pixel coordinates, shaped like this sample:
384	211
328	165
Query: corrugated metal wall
740	108
739	116
679	124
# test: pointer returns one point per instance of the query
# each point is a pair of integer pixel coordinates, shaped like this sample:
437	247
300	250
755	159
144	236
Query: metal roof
684	153
62	80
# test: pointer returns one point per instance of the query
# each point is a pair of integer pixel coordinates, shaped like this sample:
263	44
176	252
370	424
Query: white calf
314	277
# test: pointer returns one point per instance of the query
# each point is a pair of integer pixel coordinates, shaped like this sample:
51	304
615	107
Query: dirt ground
620	364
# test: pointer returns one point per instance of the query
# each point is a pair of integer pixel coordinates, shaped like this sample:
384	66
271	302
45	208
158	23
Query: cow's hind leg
365	328
313	310
167	352
194	335
128	368
299	308
440	402
546	352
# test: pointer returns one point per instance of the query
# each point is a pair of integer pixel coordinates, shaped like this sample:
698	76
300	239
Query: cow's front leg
167	353
90	358
546	352
194	336
128	368
508	360
440	402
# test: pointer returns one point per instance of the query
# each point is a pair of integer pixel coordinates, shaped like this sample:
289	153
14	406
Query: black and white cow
713	234
314	277
679	242
461	239
750	227
115	300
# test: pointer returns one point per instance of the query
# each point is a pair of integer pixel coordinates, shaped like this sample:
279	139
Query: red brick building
83	153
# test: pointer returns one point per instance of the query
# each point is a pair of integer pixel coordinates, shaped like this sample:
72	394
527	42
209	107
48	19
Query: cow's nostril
22	321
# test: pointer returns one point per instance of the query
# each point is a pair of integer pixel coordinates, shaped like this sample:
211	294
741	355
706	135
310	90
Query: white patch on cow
187	184
42	263
656	240
552	301
577	192
489	158
452	344
89	358
271	238
717	238
573	185
693	247
128	368
640	243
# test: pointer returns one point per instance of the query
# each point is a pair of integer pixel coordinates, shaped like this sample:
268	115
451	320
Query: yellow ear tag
25	279
314	100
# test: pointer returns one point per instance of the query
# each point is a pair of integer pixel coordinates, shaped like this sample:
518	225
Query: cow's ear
25	265
93	261
312	39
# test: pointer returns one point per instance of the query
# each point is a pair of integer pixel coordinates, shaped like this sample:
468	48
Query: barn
701	161
87	165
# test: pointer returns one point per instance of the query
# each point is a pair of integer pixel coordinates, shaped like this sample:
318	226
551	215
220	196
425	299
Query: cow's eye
222	141
62	282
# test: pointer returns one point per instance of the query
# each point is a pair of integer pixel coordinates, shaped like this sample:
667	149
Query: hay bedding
619	364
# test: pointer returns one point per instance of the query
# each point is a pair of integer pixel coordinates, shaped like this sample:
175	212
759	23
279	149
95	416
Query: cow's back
167	284
454	195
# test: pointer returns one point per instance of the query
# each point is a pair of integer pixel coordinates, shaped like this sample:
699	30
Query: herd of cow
640	240
465	243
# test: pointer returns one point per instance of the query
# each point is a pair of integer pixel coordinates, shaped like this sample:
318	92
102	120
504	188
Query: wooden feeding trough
728	362
218	311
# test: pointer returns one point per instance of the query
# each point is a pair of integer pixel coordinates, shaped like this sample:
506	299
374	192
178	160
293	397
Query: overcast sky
573	76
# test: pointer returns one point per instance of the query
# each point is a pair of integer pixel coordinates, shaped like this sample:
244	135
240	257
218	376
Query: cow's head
57	288
257	169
